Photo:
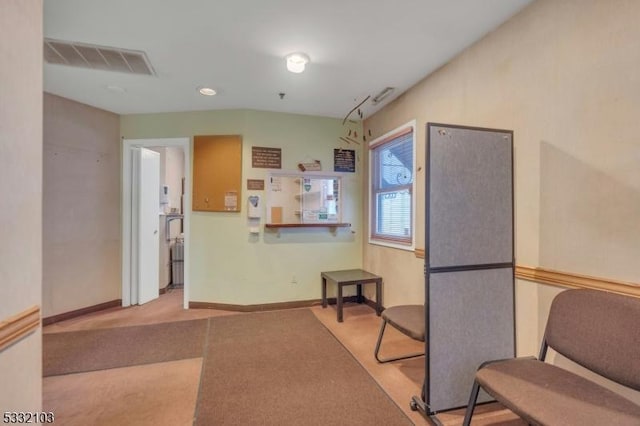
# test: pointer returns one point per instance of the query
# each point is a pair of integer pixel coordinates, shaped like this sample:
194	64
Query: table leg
339	302
360	293
324	292
378	297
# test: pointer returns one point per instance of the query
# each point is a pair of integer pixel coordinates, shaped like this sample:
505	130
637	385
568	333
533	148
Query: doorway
130	261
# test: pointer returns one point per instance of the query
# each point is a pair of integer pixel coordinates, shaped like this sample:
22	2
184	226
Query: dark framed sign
344	160
266	158
255	184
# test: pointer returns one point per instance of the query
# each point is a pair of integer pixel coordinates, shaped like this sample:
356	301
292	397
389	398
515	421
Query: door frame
127	181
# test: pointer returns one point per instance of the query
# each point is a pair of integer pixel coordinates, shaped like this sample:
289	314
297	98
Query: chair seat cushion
542	393
409	319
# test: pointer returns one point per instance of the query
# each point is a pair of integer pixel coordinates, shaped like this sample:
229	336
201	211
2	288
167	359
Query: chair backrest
598	330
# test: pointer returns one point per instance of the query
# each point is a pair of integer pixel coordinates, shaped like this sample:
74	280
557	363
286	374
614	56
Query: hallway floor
166	393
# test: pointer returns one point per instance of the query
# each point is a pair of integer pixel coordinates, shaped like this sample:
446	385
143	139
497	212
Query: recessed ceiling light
206	91
296	62
115	89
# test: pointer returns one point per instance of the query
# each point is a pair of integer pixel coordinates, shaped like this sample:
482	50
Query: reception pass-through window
391	181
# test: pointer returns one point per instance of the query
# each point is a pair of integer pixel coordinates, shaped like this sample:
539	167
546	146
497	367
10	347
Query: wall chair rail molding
17	326
568	279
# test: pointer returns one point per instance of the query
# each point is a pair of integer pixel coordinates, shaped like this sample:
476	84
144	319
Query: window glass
392	177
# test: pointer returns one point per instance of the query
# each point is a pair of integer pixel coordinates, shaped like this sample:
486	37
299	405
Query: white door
145	225
129	234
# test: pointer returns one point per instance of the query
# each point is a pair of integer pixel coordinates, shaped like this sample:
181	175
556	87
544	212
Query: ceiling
237	47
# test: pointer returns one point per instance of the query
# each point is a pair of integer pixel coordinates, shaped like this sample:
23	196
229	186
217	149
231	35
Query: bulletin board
217	173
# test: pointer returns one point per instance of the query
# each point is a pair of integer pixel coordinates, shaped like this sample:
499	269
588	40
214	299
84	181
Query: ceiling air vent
97	57
383	94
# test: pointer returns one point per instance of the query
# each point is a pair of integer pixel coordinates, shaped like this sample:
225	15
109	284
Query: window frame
388	240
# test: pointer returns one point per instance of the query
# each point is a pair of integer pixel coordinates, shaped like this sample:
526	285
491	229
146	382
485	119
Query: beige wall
81	236
21	199
563	76
228	264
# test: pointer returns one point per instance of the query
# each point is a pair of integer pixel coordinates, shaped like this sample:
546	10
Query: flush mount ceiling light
206	91
296	62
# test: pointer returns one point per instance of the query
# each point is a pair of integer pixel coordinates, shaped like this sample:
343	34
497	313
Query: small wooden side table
351	277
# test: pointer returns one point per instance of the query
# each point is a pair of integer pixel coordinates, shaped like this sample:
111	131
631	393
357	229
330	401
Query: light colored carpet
162	394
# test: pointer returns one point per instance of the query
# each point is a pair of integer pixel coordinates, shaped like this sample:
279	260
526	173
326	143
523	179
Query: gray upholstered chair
409	320
595	329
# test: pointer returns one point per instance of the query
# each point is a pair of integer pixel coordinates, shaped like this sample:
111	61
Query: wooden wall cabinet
217	173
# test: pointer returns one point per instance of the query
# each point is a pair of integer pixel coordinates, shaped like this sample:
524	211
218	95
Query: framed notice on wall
266	158
255	184
344	160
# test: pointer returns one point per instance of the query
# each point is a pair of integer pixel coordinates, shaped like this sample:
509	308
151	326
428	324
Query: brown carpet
89	350
286	368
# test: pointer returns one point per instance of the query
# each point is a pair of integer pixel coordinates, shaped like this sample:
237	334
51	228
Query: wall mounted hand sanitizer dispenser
254	205
164	198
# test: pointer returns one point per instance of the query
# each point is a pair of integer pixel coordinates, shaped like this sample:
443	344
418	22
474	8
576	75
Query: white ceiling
357	48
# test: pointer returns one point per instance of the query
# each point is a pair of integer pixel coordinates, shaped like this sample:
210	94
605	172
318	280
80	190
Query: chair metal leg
380	334
379	343
472	403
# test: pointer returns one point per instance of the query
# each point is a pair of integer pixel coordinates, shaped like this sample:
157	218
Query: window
295	198
391	175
